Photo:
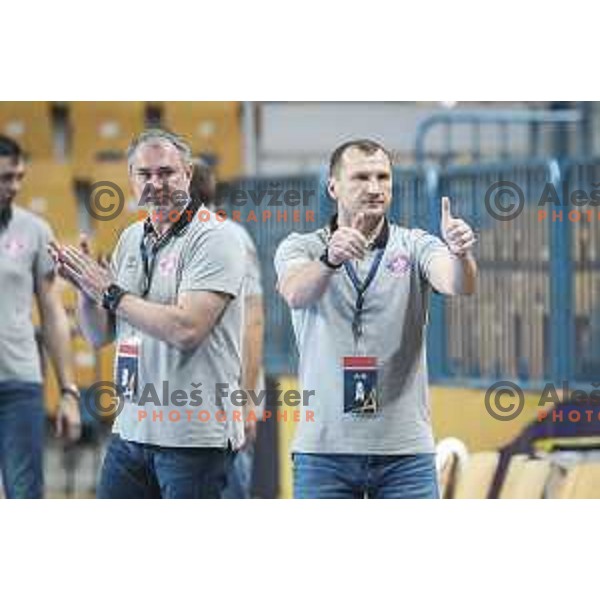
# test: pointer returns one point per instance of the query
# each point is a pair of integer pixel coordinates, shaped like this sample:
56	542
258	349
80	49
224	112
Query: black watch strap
324	258
112	297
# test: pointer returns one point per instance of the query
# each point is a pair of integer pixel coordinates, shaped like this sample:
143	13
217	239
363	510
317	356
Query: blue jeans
239	476
365	475
133	470
22	439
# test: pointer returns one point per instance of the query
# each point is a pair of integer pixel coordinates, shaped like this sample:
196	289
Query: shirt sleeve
292	252
116	257
426	248
43	265
213	262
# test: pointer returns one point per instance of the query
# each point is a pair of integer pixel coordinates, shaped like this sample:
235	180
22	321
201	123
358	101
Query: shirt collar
178	228
6	214
379	242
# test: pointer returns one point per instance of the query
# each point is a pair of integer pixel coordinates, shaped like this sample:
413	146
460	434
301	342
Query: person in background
239	484
26	270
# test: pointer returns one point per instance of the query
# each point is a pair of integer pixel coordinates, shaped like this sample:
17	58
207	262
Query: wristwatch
324	258
112	297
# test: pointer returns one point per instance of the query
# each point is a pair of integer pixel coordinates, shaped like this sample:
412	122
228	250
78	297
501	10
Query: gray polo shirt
24	263
206	257
252	287
252	275
395	318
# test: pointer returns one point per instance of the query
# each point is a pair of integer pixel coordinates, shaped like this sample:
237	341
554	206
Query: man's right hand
86	248
91	277
348	243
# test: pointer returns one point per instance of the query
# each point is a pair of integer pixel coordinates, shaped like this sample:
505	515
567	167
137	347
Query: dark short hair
200	188
364	145
10	149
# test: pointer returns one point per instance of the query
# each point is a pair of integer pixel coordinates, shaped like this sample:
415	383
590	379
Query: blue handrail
478	118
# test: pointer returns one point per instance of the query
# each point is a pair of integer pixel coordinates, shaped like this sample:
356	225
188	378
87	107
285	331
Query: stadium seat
48	190
582	481
106	233
106	356
105	366
84	362
525	478
477	476
102	131
212	128
451	457
29	123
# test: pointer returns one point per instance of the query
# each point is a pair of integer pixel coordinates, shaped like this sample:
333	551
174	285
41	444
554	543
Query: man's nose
374	186
15	186
157	181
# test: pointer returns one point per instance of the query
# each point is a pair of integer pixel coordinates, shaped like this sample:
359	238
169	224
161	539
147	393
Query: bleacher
505	332
527	478
71	146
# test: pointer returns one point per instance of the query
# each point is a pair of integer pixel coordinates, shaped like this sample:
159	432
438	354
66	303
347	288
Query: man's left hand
249	434
457	234
68	418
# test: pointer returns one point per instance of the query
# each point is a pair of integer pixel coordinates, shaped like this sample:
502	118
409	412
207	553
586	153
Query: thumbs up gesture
459	237
348	243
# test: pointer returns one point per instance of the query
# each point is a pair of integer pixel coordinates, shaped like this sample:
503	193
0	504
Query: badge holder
360	372
360	385
126	368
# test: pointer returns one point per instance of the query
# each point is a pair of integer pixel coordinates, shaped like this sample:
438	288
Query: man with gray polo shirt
203	188
359	291
171	302
26	271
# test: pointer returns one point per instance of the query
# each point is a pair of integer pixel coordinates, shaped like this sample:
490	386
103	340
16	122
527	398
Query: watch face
111	297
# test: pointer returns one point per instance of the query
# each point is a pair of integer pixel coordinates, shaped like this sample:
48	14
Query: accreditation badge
126	367
360	385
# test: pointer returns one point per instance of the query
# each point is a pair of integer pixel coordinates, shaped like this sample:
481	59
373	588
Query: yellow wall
461	413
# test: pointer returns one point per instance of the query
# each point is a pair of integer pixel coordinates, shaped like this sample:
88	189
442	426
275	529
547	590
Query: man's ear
189	172
331	188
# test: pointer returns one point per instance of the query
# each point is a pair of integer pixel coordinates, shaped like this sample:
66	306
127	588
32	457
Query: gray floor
71	472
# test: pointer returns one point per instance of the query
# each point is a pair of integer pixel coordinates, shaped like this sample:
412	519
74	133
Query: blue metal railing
501	119
536	314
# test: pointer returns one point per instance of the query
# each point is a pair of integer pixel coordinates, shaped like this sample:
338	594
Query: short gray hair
159	136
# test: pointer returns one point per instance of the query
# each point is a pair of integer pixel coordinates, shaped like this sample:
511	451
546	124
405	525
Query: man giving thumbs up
359	292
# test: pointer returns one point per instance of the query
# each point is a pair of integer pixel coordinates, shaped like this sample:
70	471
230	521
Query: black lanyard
149	248
361	290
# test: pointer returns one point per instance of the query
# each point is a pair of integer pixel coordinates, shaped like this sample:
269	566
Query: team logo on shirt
168	264
14	247
398	264
131	263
